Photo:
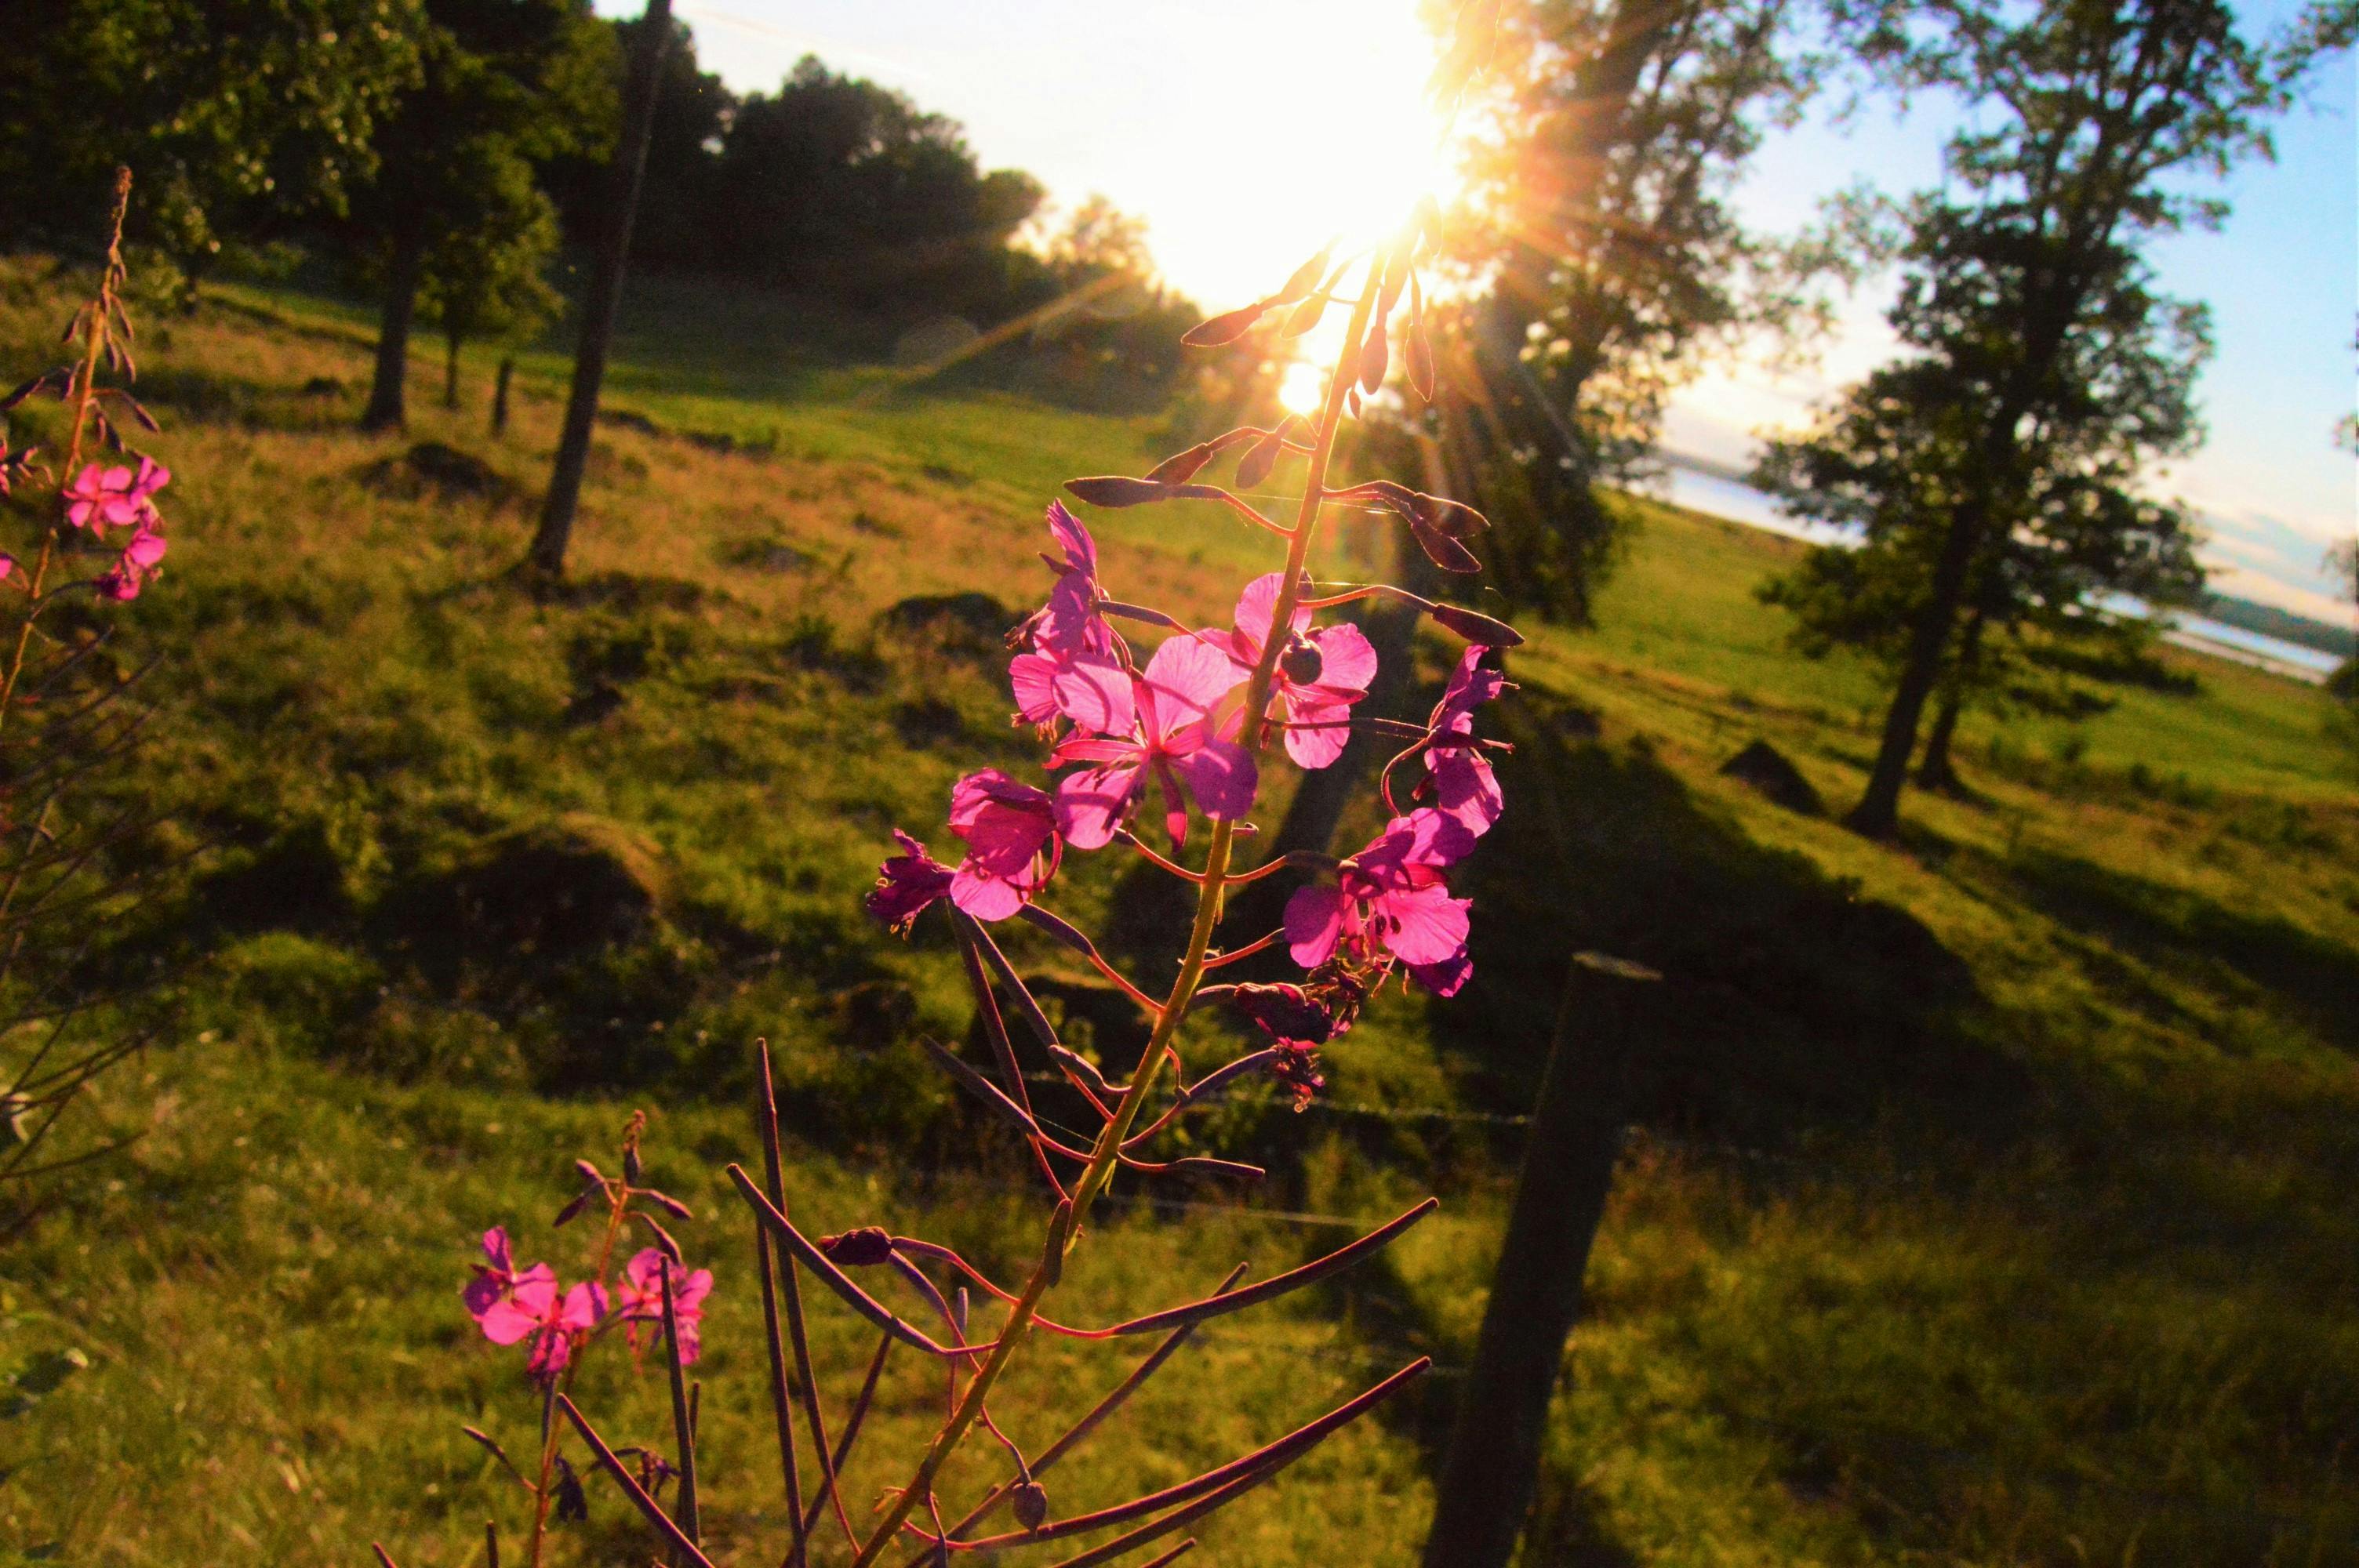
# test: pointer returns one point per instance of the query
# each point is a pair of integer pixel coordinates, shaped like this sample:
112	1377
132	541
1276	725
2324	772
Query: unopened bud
1300	664
1030	1501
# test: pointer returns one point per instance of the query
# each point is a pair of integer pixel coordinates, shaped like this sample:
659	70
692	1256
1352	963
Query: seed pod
1261	456
1305	278
1418	352
1119	490
664	1243
1180	467
1225	328
668	1204
1030	1502
1374	356
1475	626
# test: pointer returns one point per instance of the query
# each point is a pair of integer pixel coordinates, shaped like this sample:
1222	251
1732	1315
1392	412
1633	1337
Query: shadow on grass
1789	1003
2176	929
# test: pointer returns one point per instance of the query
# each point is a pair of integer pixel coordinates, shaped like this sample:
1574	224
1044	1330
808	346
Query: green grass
1991	1204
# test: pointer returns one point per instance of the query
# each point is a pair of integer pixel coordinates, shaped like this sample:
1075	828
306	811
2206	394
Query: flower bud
1225	328
1030	1501
631	1164
668	1204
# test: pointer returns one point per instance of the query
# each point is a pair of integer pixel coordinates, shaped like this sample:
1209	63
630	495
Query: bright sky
1248	131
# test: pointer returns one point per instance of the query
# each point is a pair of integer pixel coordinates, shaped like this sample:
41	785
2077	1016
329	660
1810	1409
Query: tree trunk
1492	1468
1935	771
385	410
450	369
500	395
1877	815
556	531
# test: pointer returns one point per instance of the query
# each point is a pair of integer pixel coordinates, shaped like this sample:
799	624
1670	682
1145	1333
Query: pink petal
484	1292
688	1295
1221	774
585	1304
1347	660
1444	979
1465	789
1033	678
1257	607
496	1249
1314	920
1424	925
1081	550
1327	731
983	893
504	1323
1187	677
1092	801
1093	691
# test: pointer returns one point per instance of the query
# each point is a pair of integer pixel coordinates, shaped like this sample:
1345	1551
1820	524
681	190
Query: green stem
1066	1227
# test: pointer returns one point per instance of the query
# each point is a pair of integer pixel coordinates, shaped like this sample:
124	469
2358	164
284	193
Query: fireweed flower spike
1189	728
1174	742
1319	677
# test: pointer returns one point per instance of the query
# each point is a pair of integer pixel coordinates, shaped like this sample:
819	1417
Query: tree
681	190
506	86
239	116
841	187
487	279
2030	632
555	531
1603	231
2343	561
2040	372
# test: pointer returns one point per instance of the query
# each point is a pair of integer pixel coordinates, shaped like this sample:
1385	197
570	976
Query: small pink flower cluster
514	1305
122	497
1173	730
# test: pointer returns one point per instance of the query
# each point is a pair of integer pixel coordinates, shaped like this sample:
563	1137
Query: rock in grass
1767	770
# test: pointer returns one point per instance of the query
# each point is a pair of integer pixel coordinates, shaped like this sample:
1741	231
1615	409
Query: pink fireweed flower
1075	669
1319	677
1458	779
1389	900
497	1279
140	561
1173	739
906	884
101	498
1010	830
533	1308
639	1300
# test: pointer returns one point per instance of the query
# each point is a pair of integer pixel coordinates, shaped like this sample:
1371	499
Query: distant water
1739	502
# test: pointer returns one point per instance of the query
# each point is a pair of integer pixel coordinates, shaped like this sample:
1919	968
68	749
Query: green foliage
1601	228
1993	470
237	117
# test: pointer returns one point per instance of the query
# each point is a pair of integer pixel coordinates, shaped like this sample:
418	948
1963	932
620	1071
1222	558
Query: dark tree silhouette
555	530
240	117
2040	371
1616	129
506	85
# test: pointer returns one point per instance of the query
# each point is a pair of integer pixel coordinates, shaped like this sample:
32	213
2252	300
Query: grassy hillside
1990	1199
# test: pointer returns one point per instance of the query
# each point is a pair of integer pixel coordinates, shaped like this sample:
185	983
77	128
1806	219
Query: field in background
1991	1200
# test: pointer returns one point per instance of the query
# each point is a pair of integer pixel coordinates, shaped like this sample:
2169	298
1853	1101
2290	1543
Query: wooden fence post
1493	1465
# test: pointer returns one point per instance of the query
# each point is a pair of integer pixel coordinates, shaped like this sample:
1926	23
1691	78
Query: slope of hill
1989	1204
